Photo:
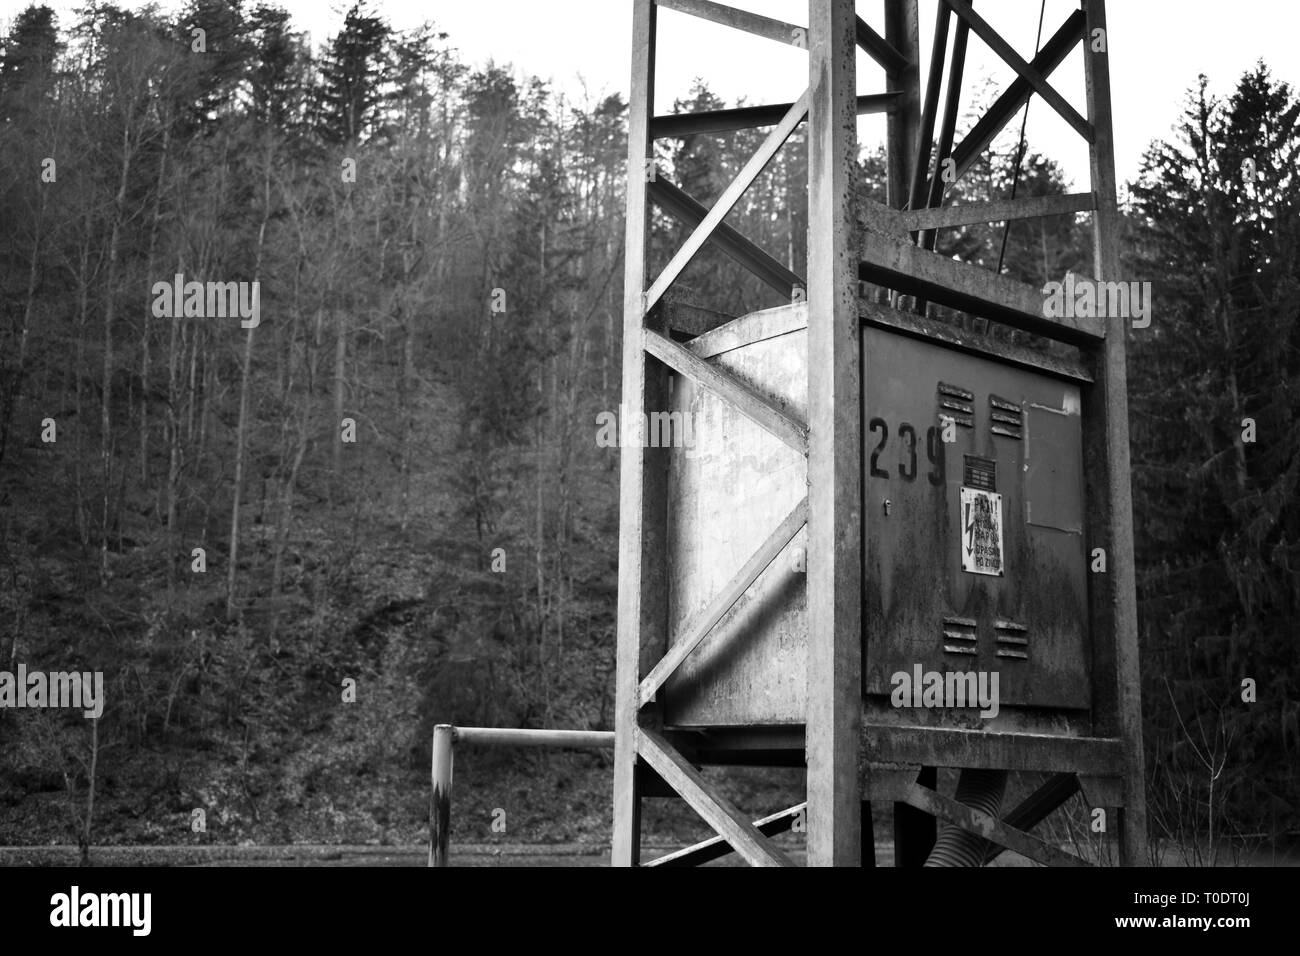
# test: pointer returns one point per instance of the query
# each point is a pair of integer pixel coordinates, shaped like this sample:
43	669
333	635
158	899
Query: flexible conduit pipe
981	790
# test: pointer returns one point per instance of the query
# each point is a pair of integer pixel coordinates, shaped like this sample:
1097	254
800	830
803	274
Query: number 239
907	467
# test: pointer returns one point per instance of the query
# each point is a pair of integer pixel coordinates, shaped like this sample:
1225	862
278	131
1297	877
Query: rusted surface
897	264
918	600
836	524
440	795
938	747
1117	702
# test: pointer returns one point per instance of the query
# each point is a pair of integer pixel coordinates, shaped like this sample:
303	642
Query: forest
292	546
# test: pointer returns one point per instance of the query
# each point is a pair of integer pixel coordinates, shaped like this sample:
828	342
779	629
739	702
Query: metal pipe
507	737
446	736
982	790
440	801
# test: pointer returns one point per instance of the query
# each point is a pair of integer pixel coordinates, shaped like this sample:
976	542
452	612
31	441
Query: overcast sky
1157	49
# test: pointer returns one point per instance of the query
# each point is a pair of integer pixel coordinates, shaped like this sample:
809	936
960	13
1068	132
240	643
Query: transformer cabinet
891	544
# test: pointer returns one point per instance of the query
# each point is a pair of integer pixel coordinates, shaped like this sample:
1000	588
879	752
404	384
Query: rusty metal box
975	556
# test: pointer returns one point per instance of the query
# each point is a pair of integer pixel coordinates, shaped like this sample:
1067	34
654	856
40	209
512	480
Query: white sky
1157	49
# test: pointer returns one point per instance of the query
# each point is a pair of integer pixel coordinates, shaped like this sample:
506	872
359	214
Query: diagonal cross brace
725	385
717	847
730	196
684	209
981	824
878	48
706	800
1054	51
703	626
1013	59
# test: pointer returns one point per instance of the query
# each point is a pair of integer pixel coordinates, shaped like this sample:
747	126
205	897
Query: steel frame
845	752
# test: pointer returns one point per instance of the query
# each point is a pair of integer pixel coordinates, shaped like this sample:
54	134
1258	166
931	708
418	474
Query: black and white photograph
568	434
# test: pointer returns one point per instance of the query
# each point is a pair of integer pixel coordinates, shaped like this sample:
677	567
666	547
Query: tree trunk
83	838
241	431
340	364
144	334
106	397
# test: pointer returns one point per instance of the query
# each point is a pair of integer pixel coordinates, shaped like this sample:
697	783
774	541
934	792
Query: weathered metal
642	498
1113	595
921	609
749	117
969	213
744	637
511	737
440	795
836	522
445	739
897	264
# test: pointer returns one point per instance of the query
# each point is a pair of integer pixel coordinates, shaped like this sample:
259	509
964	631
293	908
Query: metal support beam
673	125
881	49
925	137
729	16
897	264
936	747
903	31
1029	207
638	510
835	519
952	103
1113	595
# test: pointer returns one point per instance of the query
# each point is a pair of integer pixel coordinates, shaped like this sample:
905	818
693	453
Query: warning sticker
981	531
